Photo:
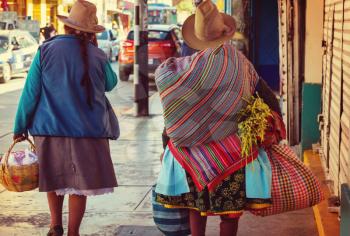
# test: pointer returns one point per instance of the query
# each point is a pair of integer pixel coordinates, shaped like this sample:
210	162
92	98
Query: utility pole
141	58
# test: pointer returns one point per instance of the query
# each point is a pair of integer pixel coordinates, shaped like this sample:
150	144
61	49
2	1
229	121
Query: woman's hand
275	132
20	137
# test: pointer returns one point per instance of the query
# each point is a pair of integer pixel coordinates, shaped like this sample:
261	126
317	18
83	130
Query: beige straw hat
82	17
208	27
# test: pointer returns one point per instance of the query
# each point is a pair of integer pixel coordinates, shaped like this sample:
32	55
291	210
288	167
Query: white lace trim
88	192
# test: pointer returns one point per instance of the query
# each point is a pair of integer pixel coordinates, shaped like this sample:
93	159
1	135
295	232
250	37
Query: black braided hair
84	38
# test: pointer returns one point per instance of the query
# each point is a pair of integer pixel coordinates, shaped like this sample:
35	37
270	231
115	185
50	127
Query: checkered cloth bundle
293	185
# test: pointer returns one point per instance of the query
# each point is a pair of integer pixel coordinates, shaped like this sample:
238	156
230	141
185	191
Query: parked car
9	20
164	41
108	41
17	50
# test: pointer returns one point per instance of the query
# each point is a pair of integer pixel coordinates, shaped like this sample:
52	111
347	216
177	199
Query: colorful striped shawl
202	94
208	164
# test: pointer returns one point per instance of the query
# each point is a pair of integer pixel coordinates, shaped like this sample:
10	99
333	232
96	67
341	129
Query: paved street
136	160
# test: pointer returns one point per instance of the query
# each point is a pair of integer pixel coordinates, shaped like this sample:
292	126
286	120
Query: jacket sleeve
111	77
29	98
268	96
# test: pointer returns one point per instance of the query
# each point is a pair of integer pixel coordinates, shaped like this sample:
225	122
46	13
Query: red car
164	41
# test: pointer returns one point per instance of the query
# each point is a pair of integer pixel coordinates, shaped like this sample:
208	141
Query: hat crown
209	23
83	13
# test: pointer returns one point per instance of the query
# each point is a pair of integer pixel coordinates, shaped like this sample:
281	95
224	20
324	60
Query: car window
102	36
22	41
4	43
14	42
2	25
10	27
153	35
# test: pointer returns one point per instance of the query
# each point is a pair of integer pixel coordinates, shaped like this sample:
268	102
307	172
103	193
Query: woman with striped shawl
202	97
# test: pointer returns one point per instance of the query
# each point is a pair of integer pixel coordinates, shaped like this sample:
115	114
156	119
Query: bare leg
198	223
77	205
228	226
55	205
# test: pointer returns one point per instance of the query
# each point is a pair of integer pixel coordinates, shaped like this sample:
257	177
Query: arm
276	131
165	138
111	77
29	98
268	96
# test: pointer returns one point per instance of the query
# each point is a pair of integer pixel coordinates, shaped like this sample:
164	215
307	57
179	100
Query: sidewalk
128	210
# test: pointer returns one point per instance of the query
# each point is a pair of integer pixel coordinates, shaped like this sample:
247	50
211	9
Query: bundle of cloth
203	97
222	122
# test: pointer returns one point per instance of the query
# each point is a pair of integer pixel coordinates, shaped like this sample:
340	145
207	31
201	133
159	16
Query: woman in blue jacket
63	105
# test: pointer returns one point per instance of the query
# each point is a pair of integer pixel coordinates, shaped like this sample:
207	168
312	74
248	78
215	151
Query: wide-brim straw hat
208	28
82	17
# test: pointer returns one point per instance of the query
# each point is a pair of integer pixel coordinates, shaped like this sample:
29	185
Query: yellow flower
253	123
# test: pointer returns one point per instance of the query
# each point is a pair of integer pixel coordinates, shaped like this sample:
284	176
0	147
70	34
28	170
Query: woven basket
19	178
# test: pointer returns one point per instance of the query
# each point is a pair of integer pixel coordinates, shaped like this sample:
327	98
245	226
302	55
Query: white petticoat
88	192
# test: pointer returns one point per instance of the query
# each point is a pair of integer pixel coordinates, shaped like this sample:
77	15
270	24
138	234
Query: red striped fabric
208	164
202	94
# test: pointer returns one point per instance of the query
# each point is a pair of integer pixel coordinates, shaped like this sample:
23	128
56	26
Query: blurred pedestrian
63	105
47	32
202	96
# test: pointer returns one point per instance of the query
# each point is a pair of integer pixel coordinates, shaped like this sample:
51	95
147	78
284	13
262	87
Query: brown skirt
79	163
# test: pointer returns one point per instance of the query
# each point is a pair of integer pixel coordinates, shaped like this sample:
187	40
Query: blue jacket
53	102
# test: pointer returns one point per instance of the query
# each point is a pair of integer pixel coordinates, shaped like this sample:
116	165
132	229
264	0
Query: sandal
56	231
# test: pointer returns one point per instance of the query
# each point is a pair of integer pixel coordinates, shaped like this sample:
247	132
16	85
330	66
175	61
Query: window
22	41
2	25
4	43
153	35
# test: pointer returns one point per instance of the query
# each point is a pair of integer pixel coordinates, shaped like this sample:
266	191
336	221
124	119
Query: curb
327	223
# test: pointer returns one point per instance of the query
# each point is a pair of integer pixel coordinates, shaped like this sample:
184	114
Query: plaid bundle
293	185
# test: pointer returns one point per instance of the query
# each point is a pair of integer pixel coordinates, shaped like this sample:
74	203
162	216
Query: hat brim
194	42
96	29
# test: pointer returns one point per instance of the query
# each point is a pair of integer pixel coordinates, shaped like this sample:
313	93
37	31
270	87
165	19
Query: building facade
45	11
335	120
315	70
313	58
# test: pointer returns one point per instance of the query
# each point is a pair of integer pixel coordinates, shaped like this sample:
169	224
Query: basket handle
7	155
